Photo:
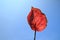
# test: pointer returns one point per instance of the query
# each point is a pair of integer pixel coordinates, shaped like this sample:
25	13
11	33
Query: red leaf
37	19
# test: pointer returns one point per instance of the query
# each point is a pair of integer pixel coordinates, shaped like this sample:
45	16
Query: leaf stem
35	34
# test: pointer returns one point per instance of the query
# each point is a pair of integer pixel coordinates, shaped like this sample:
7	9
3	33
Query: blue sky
13	19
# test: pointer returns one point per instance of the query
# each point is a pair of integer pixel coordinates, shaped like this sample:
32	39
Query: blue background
13	19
